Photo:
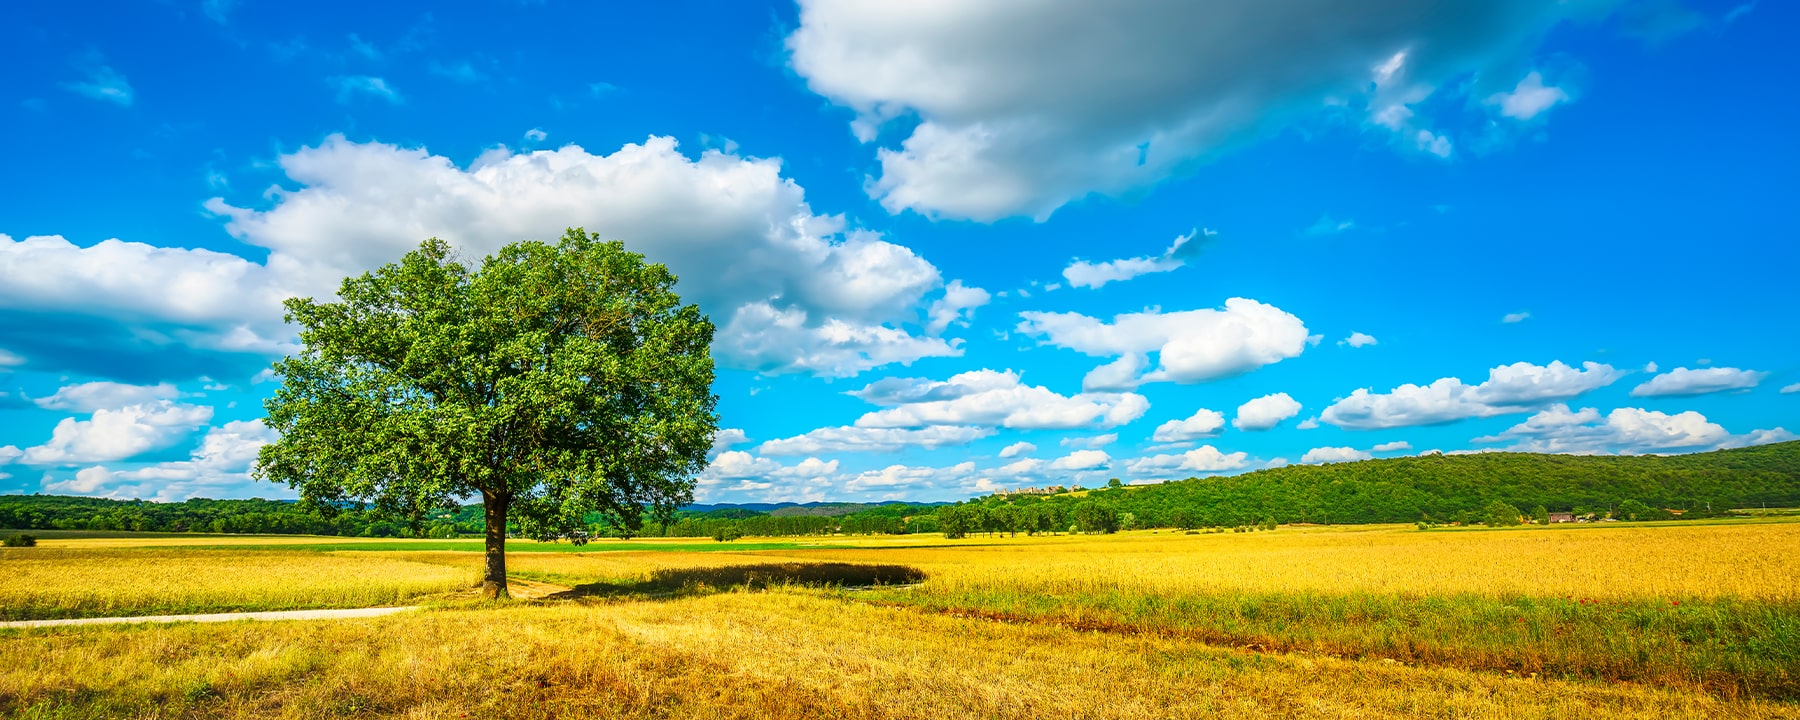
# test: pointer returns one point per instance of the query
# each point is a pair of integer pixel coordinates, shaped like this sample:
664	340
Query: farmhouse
1562	517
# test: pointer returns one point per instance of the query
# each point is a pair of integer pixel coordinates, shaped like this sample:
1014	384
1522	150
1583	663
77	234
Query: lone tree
555	381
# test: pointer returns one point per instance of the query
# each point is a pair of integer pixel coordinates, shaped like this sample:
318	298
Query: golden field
50	582
1619	621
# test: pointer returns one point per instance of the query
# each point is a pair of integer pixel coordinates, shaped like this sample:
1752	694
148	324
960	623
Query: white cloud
957	305
9	359
1191	346
536	135
873	439
992	398
1333	455
1308	424
118	434
1265	412
1558	429
1083	274
1014	108
1682	381
726	439
1517	317
104	84
1790	389
1392	446
348	88
93	396
1082	460
1017	449
792	290
1509	389
1357	340
1203	459
1093	441
1203	423
1529	98
167	296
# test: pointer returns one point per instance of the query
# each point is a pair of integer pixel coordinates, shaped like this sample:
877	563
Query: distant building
1562	517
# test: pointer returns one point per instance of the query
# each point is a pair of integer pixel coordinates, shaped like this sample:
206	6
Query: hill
1446	487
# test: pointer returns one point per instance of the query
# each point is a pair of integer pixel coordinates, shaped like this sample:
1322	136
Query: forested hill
1444	487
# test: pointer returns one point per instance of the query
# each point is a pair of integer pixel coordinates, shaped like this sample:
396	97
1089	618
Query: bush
727	533
1499	513
1634	510
20	540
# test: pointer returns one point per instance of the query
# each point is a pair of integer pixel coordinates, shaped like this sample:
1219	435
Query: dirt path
216	617
521	590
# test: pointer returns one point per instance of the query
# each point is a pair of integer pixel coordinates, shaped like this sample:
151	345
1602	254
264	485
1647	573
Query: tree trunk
493	582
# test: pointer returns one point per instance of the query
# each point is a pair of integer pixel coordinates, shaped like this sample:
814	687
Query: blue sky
950	247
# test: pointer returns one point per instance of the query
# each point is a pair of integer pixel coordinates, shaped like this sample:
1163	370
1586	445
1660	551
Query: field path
216	617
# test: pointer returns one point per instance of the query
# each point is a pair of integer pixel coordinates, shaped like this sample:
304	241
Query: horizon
1000	265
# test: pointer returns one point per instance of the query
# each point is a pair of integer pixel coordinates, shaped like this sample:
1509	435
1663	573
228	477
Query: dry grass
39	583
1648	621
748	655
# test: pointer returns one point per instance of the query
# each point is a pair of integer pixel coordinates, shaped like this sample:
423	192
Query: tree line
1466	489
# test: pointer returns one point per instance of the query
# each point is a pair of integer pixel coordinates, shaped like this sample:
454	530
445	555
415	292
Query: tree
1095	517
1499	513
1540	515
560	383
1632	509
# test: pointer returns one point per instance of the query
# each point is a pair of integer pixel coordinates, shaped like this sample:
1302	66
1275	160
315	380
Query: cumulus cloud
1392	446
1529	98
1558	429
1082	460
165	310
873	439
1320	455
1790	389
1191	346
219	467
118	433
1091	441
1357	340
1203	423
792	291
1084	274
1509	389
1015	108
736	471
1017	449
1682	381
92	396
957	305
991	398
1265	412
726	439
1203	459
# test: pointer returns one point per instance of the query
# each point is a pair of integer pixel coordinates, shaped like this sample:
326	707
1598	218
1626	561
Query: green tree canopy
555	381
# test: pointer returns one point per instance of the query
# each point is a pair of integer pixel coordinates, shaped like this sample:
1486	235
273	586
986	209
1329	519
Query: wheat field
1593	622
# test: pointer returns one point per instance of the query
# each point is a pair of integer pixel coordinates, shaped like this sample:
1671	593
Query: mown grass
779	654
49	583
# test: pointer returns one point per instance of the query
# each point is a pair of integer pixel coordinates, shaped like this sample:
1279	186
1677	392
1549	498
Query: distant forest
1432	489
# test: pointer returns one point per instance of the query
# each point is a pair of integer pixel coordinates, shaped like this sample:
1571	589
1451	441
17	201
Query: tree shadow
693	581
